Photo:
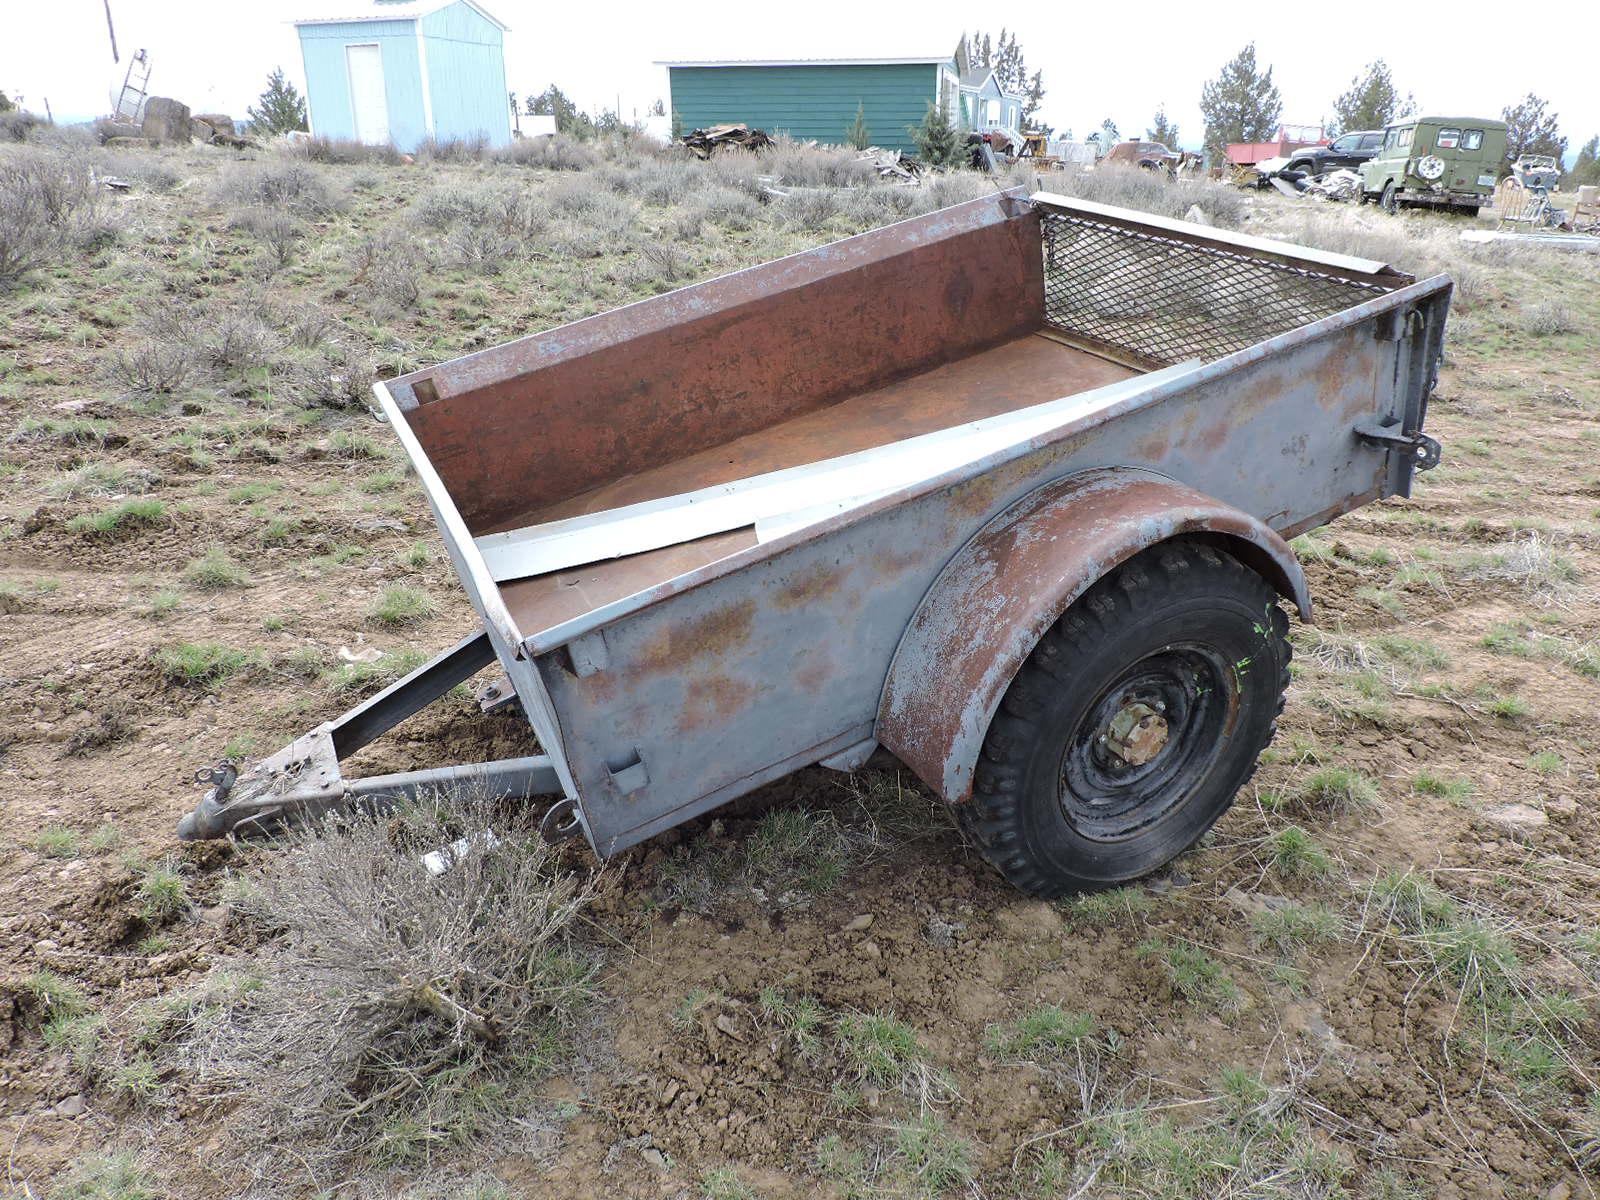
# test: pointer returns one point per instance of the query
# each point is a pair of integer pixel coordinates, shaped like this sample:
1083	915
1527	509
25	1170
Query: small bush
557	152
287	184
1549	317
390	265
50	205
457	992
456	150
347	150
277	231
18	126
340	379
159	367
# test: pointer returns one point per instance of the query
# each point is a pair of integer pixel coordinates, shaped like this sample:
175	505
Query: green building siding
808	102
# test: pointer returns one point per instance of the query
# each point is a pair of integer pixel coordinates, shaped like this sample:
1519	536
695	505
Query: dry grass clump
399	1013
288	184
277	231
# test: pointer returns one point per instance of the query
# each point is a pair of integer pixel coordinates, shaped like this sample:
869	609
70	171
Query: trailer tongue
861	495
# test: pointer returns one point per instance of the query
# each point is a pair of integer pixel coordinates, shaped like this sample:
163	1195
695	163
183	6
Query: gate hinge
1424	450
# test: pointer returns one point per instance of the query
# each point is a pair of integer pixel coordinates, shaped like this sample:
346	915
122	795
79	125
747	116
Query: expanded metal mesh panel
1158	297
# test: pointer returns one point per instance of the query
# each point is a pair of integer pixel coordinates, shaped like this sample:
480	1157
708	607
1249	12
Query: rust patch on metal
809	589
712	702
708	636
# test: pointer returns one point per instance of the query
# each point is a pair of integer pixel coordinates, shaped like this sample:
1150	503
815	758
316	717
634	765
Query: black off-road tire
1389	198
1183	628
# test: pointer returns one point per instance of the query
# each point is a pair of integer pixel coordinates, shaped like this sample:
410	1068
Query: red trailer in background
1290	138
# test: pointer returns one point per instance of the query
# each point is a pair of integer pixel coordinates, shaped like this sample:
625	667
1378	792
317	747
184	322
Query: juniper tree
1531	129
1241	104
858	134
938	142
283	108
1371	102
1162	130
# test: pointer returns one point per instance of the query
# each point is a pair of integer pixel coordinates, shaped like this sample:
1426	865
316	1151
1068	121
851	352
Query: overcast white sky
1461	59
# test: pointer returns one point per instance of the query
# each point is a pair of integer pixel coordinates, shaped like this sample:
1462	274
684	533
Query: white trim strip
779	502
427	92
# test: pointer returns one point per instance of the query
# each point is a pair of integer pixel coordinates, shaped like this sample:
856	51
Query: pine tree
1241	104
282	110
938	142
1109	135
858	134
1162	130
1586	169
5	103
1371	102
1531	130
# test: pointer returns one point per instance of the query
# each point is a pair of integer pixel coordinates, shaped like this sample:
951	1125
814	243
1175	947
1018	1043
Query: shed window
1472	139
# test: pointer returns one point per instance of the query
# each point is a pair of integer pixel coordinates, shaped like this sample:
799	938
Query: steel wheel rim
1195	692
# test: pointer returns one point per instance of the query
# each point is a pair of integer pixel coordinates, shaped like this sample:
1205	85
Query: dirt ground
1376	977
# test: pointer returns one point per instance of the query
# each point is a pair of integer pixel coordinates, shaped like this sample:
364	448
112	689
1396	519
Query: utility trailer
1004	489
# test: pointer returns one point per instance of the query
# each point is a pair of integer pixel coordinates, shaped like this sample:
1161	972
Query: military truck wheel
1132	724
1389	201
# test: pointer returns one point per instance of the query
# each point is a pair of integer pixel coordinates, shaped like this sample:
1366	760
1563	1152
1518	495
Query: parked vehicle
1347	151
1451	163
1005	489
1152	156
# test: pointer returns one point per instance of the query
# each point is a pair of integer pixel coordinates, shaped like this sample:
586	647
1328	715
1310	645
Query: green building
818	98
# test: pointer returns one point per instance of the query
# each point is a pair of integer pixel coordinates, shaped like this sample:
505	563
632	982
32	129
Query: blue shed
405	71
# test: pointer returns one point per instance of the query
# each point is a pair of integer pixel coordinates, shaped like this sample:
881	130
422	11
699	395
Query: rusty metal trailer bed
874	495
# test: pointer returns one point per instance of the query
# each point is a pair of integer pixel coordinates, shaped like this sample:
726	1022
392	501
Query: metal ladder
130	102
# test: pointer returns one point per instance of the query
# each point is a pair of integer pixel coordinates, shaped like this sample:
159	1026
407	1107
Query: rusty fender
992	603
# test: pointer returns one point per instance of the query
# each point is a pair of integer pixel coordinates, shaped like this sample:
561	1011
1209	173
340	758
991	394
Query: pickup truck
1006	489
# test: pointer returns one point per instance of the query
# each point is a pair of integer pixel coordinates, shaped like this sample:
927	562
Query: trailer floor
1025	371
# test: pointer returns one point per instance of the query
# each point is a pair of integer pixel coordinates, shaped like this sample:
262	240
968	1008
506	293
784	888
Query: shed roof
400	10
931	60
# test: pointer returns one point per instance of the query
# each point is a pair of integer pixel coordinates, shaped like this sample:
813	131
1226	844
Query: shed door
368	103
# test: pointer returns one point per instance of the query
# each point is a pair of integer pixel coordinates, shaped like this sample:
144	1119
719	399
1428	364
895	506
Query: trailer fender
995	599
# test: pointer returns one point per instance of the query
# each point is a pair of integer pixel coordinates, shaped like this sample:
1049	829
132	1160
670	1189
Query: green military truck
1436	162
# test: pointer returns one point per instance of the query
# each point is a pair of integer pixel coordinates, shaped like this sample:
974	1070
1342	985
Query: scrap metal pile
703	143
1341	184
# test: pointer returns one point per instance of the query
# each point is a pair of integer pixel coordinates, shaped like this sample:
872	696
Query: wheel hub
1136	734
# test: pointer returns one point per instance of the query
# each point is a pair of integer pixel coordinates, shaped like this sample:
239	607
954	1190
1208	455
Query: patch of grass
1296	854
1110	906
350	678
55	996
105	838
723	1183
163	603
1338	789
1547	762
1290	926
197	664
402	604
57	841
137	1082
878	1047
1413	652
798	1019
81	1037
416	556
1045	1031
1195	974
928	1159
1508	708
121	518
162	894
115	1176
216	571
